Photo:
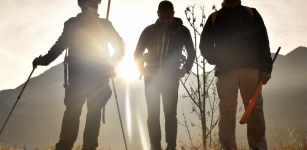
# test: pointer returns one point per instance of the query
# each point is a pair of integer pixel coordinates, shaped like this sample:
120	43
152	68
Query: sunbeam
142	134
128	113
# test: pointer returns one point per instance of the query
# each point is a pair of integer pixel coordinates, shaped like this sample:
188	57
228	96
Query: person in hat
86	38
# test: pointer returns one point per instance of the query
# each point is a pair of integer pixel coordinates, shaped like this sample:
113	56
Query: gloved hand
38	61
182	72
265	77
113	73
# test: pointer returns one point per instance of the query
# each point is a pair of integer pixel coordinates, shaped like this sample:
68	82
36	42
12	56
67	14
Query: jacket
237	39
165	47
87	40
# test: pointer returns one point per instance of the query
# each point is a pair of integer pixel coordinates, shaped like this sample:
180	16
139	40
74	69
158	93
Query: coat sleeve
266	64
117	43
189	46
207	42
60	45
140	49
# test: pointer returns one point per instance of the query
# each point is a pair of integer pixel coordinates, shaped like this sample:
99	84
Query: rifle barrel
276	54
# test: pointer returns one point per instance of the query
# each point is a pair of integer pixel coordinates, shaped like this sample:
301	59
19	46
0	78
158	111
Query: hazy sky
30	27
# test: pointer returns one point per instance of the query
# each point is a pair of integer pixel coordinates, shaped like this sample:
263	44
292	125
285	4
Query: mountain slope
285	95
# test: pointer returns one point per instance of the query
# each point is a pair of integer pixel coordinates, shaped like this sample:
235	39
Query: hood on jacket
225	4
83	15
176	22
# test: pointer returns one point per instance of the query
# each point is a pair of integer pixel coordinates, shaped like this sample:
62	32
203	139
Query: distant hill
285	95
39	112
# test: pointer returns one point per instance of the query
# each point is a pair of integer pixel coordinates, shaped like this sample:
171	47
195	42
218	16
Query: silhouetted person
164	41
236	41
87	36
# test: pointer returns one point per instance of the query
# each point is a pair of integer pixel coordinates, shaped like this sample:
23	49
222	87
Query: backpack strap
214	18
250	11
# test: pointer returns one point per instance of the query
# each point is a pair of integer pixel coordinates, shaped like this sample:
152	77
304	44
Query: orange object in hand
255	96
251	104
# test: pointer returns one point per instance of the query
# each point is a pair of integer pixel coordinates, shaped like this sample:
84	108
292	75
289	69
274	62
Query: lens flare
144	140
127	69
128	112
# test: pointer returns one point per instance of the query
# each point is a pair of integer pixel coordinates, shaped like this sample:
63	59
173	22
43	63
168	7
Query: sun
127	69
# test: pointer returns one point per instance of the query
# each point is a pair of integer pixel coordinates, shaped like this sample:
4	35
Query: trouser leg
74	100
170	100
227	88
152	94
249	80
97	98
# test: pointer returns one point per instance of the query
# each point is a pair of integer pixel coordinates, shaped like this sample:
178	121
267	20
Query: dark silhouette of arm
140	49
261	35
189	46
60	45
206	44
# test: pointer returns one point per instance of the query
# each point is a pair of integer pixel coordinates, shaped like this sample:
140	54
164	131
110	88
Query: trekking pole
254	98
17	100
120	118
109	3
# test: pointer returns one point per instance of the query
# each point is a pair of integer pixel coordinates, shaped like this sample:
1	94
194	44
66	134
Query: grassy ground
291	142
289	145
48	147
283	146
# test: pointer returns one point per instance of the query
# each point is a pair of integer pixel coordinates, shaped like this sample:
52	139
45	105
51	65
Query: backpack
213	59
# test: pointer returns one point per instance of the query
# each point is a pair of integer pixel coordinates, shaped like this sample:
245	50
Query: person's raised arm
56	50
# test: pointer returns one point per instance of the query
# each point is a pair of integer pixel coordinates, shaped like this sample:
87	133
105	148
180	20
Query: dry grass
48	147
289	141
7	147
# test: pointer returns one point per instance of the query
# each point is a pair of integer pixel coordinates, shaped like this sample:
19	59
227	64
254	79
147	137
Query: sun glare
128	113
127	69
